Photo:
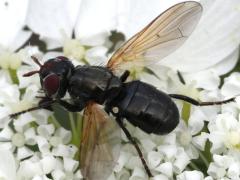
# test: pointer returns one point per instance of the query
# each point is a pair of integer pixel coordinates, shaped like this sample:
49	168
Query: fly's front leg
44	101
45	104
120	123
71	107
198	103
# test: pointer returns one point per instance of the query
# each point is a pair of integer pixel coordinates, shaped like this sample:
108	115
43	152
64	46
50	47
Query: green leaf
70	121
61	116
13	75
186	112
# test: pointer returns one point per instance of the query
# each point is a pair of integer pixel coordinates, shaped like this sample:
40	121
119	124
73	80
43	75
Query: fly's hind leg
198	103
131	139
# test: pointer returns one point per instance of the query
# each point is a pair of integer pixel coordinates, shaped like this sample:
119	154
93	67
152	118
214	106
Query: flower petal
7	165
23	152
181	161
166	168
214	39
12	19
58	174
48	164
53	19
138	174
96	17
215	171
64	134
136	16
189	175
70	165
46	130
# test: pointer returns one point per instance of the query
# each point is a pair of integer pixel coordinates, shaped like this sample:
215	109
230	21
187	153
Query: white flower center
18	139
69	175
185	138
73	48
3	175
233	139
55	141
10	60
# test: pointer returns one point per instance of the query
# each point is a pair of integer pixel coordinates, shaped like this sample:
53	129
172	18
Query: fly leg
71	107
124	76
120	123
41	105
44	100
198	103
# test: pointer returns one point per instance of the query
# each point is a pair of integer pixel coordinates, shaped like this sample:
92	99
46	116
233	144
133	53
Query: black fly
140	103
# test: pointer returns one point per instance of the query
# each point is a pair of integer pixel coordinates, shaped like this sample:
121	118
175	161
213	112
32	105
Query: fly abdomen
148	108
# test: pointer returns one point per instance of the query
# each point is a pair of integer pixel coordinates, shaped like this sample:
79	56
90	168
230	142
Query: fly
140	103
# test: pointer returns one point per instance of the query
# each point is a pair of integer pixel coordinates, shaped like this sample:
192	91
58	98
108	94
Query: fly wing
158	39
100	145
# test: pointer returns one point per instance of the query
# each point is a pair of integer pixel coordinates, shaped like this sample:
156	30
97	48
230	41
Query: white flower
138	173
10	60
15	103
55	22
154	159
224	166
160	177
17	138
7	165
188	175
208	47
214	42
12	34
224	133
44	149
231	86
47	160
50	19
12	18
166	169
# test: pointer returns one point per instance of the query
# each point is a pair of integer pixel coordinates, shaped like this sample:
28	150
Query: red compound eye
51	84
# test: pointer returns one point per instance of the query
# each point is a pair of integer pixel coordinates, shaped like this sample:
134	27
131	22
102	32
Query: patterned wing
158	39
100	146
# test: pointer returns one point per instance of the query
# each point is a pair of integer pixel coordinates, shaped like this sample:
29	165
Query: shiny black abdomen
141	104
93	83
146	107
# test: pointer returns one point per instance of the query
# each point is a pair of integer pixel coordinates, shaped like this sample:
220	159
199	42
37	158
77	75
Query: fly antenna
33	72
35	59
30	73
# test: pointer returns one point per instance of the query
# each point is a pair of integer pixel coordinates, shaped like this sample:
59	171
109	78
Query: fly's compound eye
51	84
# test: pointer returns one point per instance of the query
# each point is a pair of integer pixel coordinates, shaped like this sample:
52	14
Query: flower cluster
44	144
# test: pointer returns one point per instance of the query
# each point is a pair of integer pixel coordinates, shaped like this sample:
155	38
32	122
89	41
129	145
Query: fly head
54	75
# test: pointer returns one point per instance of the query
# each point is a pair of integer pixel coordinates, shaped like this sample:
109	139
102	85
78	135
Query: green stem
194	166
72	123
13	75
74	129
53	120
79	130
79	124
204	159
